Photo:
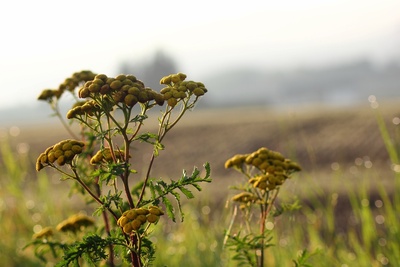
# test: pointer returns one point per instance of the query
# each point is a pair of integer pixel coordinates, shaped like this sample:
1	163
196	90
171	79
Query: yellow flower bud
131	77
127	82
142	211
198	92
69	155
165	90
39	165
142	97
142	218
121	77
58	153
84	92
94	88
130	100
61	160
127	228
152	218
66	146
105	89
134	91
115	85
102	77
43	158
172	102
122	221
182	76
131	214
77	149
50	156
191	85
119	96
156	211
175	78
166	80
159	99
109	81
135	224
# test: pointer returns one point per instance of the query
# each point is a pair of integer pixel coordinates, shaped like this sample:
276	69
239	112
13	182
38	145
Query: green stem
87	189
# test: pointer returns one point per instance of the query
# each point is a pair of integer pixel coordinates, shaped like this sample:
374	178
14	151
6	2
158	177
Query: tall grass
16	210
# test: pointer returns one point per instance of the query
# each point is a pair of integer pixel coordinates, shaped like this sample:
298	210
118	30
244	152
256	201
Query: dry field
321	139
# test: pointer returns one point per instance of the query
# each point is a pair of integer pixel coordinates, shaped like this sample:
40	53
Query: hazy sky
43	42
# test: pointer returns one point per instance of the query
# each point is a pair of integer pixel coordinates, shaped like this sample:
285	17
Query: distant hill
336	85
348	83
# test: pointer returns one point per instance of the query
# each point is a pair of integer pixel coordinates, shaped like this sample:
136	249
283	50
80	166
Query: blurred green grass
349	214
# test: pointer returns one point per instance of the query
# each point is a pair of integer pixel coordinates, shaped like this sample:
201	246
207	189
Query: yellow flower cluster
44	233
275	168
83	108
268	181
49	94
61	153
75	223
132	220
124	89
265	160
105	155
177	88
245	197
69	84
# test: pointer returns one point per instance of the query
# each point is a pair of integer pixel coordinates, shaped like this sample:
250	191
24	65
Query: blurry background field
346	188
296	77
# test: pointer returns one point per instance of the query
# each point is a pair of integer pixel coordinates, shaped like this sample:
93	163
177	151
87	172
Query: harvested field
319	138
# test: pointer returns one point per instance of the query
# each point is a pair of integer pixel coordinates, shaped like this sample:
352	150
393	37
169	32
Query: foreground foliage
100	162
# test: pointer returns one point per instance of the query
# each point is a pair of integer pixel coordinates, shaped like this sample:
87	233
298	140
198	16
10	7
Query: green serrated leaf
163	184
139	118
195	173
208	170
186	192
158	188
198	187
169	208
152	190
178	198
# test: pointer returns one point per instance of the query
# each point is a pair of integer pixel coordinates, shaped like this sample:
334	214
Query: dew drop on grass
213	245
368	164
380	219
283	242
382	242
36	217
353	170
365	202
372	100
37	228
382	259
358	161
378	203
205	210
30	204
14	131
351	256
396	120
23	148
269	225
335	166
396	167
202	246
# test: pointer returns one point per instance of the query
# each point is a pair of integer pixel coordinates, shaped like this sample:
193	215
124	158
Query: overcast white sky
43	41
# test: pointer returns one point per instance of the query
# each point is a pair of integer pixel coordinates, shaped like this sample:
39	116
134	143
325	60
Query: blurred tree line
151	70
